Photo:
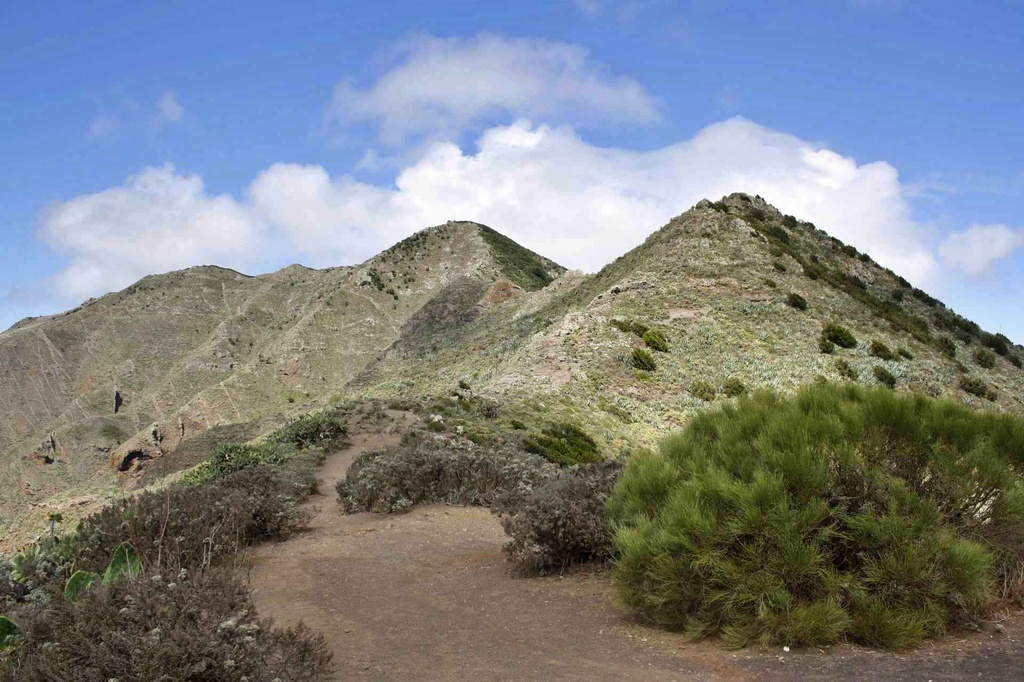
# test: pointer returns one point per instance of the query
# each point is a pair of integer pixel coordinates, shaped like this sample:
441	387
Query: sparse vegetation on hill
565	444
842	513
429	468
181	607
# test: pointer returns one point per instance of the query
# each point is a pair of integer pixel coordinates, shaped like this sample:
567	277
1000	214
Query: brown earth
427	595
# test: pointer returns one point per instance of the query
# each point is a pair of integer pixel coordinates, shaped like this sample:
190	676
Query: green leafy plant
904	353
985	358
881	351
846	370
78	582
124	564
642	360
839	335
655	340
795	300
884	376
733	387
704	391
564	444
826	346
946	346
976	386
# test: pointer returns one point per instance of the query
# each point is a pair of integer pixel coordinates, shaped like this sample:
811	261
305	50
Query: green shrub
881	351
426	469
779	266
771	283
985	358
642	360
321	429
436	425
563	521
839	335
946	346
564	444
655	340
846	370
826	346
904	353
797	301
1015	361
997	342
704	391
976	386
884	376
840	513
733	387
630	326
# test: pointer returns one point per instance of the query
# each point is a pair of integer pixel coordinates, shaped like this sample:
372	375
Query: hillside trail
428	595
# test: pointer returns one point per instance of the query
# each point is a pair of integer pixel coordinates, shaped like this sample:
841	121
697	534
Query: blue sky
144	137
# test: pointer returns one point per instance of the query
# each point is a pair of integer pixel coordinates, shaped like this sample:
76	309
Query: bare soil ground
427	595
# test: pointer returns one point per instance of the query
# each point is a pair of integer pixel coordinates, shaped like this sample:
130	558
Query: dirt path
428	596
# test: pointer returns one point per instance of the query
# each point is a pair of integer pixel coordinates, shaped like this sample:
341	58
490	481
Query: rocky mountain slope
131	376
737	292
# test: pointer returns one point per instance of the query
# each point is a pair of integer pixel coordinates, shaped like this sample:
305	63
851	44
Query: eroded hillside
732	295
130	376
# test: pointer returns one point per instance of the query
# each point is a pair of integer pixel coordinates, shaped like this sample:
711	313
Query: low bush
563	521
733	387
779	266
1015	361
946	346
797	301
985	358
884	376
704	391
881	351
840	513
322	429
425	469
191	526
839	335
642	360
655	340
904	353
564	444
846	370
826	346
630	326
185	625
976	386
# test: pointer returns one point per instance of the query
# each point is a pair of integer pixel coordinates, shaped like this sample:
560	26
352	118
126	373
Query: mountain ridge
460	303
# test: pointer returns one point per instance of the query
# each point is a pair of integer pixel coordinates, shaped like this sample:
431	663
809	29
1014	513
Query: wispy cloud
441	86
102	125
976	250
127	115
168	108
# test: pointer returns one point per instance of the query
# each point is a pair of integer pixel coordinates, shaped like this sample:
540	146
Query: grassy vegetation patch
838	335
840	513
565	444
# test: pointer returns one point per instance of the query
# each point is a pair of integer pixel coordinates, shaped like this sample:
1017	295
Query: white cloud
584	205
976	250
156	221
101	125
589	7
441	86
168	108
544	186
